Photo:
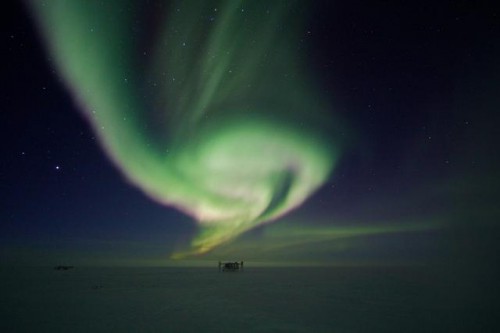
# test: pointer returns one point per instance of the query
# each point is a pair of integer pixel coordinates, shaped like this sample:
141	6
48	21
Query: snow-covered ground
255	300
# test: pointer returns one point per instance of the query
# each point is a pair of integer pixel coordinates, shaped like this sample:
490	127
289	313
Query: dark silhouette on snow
63	267
230	266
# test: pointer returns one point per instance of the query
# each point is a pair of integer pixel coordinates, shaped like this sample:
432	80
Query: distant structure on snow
230	266
63	268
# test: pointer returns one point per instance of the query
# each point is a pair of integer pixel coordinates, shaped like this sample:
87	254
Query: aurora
206	106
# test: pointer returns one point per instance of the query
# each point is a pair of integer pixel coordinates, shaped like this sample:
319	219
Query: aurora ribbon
203	105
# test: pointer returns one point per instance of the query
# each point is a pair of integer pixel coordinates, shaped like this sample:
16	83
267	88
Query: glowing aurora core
203	105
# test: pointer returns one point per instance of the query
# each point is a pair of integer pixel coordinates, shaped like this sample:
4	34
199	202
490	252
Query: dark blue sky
416	84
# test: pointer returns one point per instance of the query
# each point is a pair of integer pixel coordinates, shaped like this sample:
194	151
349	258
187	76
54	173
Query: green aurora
207	107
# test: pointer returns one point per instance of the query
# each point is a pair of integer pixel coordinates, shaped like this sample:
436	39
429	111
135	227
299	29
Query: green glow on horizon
324	243
210	111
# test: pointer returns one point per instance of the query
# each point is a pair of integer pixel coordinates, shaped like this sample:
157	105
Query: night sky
383	117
